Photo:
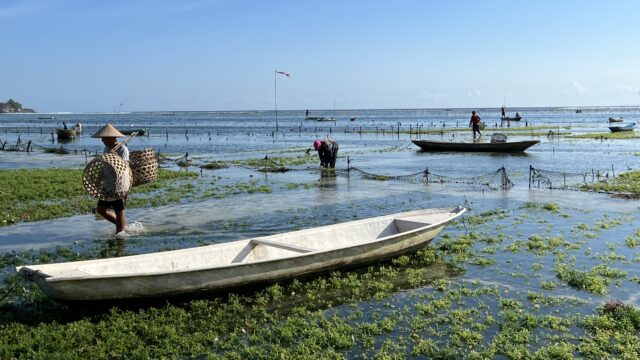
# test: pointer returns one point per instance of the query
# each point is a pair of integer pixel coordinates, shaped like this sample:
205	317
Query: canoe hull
506	147
511	118
91	288
66	134
620	128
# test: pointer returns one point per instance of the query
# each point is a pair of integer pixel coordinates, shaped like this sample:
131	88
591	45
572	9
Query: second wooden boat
139	132
242	262
66	134
619	128
505	147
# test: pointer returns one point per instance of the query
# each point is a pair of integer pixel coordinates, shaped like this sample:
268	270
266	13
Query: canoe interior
247	251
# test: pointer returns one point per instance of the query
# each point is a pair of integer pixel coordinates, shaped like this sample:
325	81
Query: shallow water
327	200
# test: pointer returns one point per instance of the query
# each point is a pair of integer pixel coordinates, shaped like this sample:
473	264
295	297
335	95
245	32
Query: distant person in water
474	122
327	151
113	211
306	114
518	116
504	113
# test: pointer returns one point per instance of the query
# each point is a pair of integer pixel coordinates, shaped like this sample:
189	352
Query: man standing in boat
327	151
504	112
113	211
474	122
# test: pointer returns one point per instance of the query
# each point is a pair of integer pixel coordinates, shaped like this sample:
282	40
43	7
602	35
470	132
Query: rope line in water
552	179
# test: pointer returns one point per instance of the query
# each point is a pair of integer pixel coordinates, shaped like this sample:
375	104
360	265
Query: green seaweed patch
582	280
607	135
276	161
625	183
43	194
551	207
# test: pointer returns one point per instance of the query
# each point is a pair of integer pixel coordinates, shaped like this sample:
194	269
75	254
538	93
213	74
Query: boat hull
127	286
629	127
510	118
66	134
506	147
138	132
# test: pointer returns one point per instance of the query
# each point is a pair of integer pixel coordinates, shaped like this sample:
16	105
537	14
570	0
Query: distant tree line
12	106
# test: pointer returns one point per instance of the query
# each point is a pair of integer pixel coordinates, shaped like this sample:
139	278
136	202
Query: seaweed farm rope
494	180
563	180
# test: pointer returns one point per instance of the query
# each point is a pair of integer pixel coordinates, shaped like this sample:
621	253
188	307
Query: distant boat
578	111
504	147
239	263
46	118
320	118
352	119
506	118
620	119
66	134
141	131
619	128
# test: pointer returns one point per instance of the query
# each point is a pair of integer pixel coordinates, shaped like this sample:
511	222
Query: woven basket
498	138
107	177
144	166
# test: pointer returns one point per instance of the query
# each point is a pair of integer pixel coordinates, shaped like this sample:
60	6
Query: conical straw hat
107	131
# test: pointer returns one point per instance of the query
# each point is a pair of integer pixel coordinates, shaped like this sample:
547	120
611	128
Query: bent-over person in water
113	211
327	151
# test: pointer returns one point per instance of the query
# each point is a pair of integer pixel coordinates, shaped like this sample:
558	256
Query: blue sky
85	56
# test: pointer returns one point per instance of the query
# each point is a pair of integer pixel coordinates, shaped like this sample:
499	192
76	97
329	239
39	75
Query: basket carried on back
144	166
107	177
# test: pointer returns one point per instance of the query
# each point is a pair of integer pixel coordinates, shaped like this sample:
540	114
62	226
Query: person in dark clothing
474	122
327	151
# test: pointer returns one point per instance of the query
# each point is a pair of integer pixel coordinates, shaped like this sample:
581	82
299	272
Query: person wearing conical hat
113	211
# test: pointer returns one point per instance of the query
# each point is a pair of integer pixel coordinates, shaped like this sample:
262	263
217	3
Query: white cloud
581	89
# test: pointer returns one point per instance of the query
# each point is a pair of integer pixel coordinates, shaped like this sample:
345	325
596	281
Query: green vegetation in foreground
365	313
42	194
627	183
607	135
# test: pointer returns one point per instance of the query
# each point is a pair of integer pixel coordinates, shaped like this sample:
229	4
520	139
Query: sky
217	55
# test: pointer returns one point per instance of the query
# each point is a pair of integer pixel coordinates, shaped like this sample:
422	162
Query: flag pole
275	94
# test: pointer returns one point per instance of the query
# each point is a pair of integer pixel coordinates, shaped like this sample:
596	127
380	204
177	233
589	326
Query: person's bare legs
117	218
120	221
109	215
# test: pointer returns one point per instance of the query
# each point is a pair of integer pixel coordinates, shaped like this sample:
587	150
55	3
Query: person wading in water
474	122
113	211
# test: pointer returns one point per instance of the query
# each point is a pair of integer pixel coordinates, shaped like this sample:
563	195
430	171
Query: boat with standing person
238	263
503	147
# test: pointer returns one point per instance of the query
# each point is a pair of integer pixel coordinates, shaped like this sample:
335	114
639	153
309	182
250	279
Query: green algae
354	314
42	194
625	183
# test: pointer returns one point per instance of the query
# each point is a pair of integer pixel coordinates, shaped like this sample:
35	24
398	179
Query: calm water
209	136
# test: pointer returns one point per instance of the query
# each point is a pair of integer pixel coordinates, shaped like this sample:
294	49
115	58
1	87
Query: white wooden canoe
241	262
